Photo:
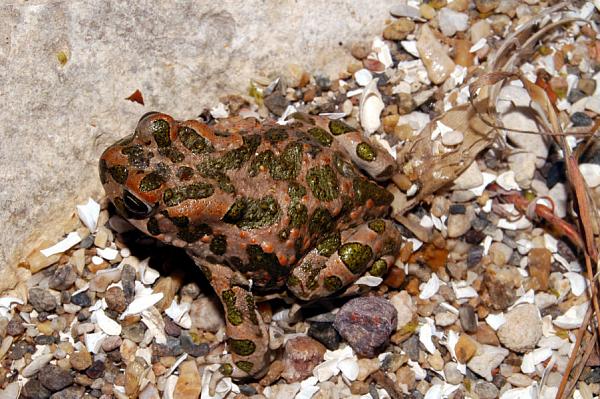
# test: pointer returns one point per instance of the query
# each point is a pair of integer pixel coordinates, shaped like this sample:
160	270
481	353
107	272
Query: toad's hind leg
342	257
247	334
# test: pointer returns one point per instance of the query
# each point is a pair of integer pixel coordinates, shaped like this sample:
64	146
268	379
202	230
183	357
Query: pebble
191	348
500	253
19	350
81	360
190	290
451	21
486	335
465	348
468	318
115	299
111	343
276	103
133	376
35	365
33	389
519	380
171	328
206	314
452	374
366	323
434	56
15	326
523	328
104	278
72	392
63	278
452	138
406	376
459	223
366	367
470	178
500	283
128	282
486	6
445	319
398	30
325	333
581	119
591	174
487	359
134	332
539	264
485	390
189	384
480	30
96	370
300	356
405	308
81	299
42	300
54	378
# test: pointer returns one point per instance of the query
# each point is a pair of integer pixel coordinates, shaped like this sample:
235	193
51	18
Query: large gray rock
56	119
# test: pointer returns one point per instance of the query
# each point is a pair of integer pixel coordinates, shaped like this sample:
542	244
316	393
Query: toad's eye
136	208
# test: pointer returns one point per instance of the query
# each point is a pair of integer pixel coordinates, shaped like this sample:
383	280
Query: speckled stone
366	324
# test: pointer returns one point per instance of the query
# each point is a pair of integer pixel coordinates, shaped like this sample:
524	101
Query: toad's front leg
247	334
341	258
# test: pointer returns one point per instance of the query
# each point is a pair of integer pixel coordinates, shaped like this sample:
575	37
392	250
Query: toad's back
254	196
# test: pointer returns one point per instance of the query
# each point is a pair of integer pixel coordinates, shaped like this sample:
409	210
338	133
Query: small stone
128	282
575	95
445	319
171	328
15	326
295	76
20	349
276	103
134	332
436	361
427	11
81	299
206	314
103	278
72	392
81	360
273	374
460	223
366	323
405	308
171	348
411	347
470	178
487	359
366	367
465	348
523	328
395	277
468	318
42	300
435	57
500	253
96	370
486	6
451	21
474	256
452	374
590	173
360	50
54	378
189	384
300	357
45	340
63	278
581	119
485	390
540	264
480	30
486	335
406	376
587	86
325	334
115	299
500	283
33	389
111	343
191	348
519	380
398	30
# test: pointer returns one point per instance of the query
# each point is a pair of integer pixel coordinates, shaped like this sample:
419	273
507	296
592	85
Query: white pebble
452	138
591	174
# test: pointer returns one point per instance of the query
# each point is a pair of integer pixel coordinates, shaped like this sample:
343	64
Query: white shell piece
363	77
577	281
369	281
89	213
70	241
507	181
430	288
106	324
108	253
141	303
94	340
371	105
495	320
572	318
531	359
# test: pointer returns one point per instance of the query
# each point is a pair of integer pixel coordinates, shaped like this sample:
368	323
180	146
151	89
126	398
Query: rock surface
64	99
